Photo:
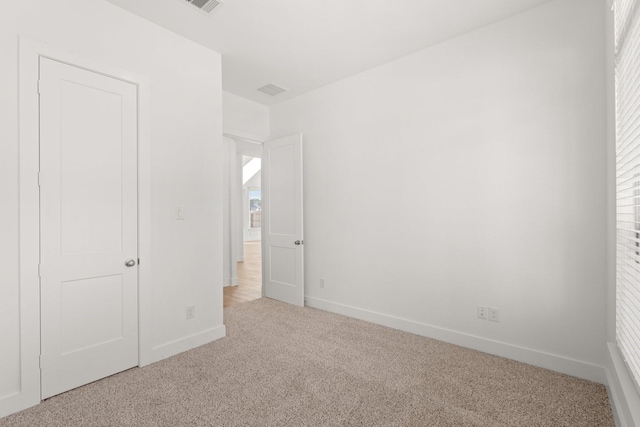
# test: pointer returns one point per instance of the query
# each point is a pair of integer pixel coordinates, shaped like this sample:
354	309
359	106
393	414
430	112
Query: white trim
624	396
549	361
145	288
240	134
187	343
29	240
230	282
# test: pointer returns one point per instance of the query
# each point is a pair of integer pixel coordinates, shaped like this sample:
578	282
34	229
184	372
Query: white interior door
283	254
88	221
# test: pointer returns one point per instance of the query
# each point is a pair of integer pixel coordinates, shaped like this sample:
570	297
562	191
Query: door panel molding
88	225
282	216
30	51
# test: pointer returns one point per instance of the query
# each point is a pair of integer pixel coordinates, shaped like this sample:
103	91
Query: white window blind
623	10
627	46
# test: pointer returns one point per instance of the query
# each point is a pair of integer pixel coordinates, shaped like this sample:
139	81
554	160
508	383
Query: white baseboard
16	402
230	281
623	394
187	343
27	392
549	361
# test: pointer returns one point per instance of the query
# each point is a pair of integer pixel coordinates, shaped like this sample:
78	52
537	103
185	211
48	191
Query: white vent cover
206	6
271	89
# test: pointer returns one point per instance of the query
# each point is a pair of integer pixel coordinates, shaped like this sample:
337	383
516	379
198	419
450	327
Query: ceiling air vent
206	6
272	89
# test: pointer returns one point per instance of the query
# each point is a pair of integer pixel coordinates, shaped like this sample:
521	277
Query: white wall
472	172
186	134
245	118
255	181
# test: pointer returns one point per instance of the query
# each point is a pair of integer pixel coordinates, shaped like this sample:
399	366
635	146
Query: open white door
88	226
283	250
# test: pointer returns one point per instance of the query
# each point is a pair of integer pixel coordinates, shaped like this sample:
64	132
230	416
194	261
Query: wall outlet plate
483	312
494	314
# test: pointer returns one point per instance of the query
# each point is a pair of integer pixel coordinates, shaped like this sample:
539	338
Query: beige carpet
287	366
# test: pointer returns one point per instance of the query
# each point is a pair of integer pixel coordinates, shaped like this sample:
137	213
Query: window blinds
623	10
627	46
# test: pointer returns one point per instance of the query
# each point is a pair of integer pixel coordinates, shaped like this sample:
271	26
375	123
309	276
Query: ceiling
302	45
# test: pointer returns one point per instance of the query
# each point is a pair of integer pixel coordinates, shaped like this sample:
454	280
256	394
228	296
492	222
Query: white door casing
282	216
88	220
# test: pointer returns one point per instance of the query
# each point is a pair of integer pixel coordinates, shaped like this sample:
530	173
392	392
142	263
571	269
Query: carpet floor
287	366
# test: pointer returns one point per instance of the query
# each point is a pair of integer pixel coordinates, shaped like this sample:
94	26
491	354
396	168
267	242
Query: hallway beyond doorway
249	276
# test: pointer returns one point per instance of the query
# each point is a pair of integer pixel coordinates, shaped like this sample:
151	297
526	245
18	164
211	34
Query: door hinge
39	179
39	87
138	261
39	270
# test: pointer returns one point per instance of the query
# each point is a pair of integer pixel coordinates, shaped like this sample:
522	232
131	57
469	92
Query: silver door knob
129	263
298	242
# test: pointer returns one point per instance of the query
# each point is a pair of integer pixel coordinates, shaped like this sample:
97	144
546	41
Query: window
255	207
627	48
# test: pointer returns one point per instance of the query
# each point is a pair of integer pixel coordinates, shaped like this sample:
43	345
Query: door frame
248	145
30	52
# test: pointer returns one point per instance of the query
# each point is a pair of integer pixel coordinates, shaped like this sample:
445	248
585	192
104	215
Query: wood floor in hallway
249	276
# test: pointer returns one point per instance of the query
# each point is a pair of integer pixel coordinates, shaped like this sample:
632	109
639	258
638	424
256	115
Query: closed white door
283	257
88	221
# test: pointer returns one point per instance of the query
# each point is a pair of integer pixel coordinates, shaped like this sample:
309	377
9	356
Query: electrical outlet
191	312
483	312
494	314
322	282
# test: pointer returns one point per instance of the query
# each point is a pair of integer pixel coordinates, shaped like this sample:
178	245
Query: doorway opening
276	209
249	286
249	239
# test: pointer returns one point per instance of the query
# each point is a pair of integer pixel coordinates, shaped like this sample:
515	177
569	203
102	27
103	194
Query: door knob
129	263
298	242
